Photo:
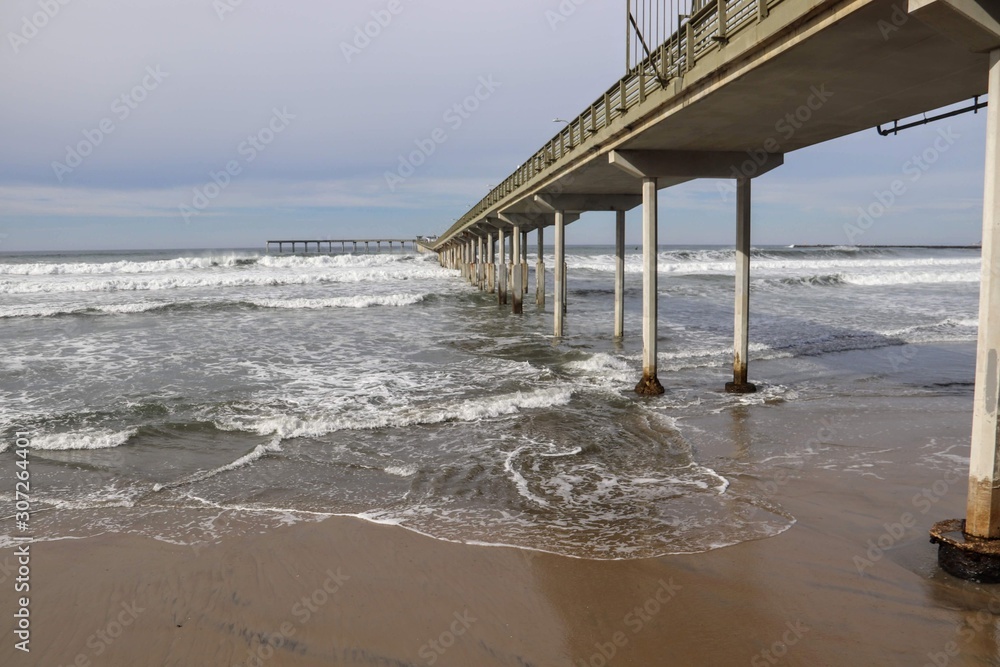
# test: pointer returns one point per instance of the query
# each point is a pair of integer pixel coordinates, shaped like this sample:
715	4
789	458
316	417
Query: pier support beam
619	274
970	549
465	260
649	385
741	321
472	261
502	270
560	274
517	273
524	261
491	262
540	270
480	265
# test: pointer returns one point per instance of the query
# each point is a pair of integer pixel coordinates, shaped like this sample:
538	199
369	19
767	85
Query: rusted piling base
964	556
741	388
649	386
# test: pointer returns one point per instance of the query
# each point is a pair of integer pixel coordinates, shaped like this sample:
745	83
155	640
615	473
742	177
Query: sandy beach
853	582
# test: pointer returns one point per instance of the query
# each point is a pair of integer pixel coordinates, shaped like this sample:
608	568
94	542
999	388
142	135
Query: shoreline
853	581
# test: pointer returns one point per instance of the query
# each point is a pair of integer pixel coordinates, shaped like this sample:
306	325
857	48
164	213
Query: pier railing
709	26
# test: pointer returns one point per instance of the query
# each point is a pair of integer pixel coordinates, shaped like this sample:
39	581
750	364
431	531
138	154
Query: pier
355	244
731	89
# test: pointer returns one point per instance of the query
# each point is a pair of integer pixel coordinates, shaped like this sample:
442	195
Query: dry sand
347	592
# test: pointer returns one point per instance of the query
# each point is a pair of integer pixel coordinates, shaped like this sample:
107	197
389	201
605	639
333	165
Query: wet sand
347	592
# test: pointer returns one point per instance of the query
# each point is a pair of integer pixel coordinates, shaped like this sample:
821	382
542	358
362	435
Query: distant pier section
346	245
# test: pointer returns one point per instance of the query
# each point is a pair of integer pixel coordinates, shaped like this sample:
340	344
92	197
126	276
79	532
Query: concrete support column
502	270
650	384
741	323
620	274
983	511
560	274
491	264
472	262
970	549
481	265
524	261
518	287
540	271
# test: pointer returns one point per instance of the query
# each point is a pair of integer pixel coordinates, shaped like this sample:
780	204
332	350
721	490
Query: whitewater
294	387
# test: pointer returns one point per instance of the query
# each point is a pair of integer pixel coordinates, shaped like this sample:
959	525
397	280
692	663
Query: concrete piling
560	274
741	327
540	271
502	270
518	287
971	549
491	264
649	385
524	261
480	265
619	274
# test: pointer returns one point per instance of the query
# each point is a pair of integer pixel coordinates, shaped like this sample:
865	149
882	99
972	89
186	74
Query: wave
222	280
711	262
479	409
259	452
154	306
912	278
827	280
183	264
61	442
887	279
342	302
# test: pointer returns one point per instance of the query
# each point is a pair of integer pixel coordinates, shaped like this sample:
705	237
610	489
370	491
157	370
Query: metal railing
710	25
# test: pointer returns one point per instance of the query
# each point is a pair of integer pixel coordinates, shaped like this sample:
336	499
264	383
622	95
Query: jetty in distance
725	91
330	244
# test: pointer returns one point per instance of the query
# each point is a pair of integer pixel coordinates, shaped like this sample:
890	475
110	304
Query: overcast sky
116	115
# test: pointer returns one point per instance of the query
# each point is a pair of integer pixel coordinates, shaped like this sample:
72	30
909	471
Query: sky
225	123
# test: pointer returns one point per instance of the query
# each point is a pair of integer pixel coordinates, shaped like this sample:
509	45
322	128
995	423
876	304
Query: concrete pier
559	310
491	264
540	270
330	243
524	261
741	327
649	385
470	273
517	289
502	270
481	264
619	274
971	549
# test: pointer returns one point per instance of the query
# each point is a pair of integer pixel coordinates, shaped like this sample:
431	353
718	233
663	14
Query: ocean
187	395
